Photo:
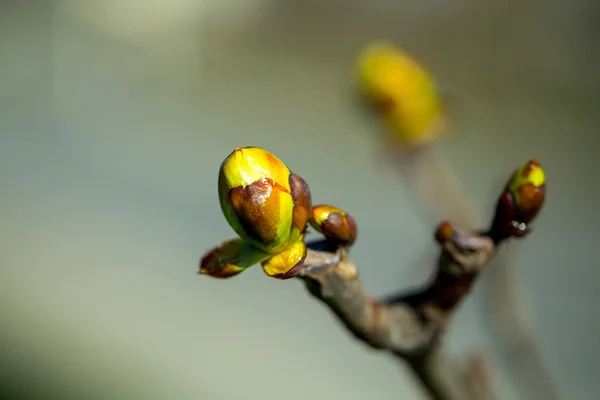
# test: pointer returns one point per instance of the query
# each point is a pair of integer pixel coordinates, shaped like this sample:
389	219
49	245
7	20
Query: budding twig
269	208
440	192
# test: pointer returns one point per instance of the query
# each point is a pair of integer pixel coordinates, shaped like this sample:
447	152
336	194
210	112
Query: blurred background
114	119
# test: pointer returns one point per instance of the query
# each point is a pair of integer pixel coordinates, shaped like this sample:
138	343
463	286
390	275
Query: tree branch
409	326
441	379
439	190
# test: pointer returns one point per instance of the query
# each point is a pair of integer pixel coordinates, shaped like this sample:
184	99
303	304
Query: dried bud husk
335	224
230	258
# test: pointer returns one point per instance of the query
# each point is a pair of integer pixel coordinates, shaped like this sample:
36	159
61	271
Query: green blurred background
115	116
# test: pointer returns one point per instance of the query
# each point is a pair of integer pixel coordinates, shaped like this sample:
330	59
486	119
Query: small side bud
444	232
335	224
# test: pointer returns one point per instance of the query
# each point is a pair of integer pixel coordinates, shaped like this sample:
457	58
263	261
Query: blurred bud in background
403	91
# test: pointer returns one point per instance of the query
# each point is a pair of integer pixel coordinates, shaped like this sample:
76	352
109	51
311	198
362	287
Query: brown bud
444	232
335	224
521	202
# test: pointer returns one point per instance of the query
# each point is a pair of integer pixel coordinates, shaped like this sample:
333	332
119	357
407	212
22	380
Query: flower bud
378	75
528	188
404	91
335	224
263	201
415	128
388	74
521	202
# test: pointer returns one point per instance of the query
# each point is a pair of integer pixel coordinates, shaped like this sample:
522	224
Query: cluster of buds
520	202
269	207
403	91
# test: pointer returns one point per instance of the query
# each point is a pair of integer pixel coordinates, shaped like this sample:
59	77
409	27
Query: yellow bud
262	200
378	67
246	165
415	127
407	94
284	264
529	173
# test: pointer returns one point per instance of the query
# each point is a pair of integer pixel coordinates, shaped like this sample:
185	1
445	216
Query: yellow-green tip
528	189
530	172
